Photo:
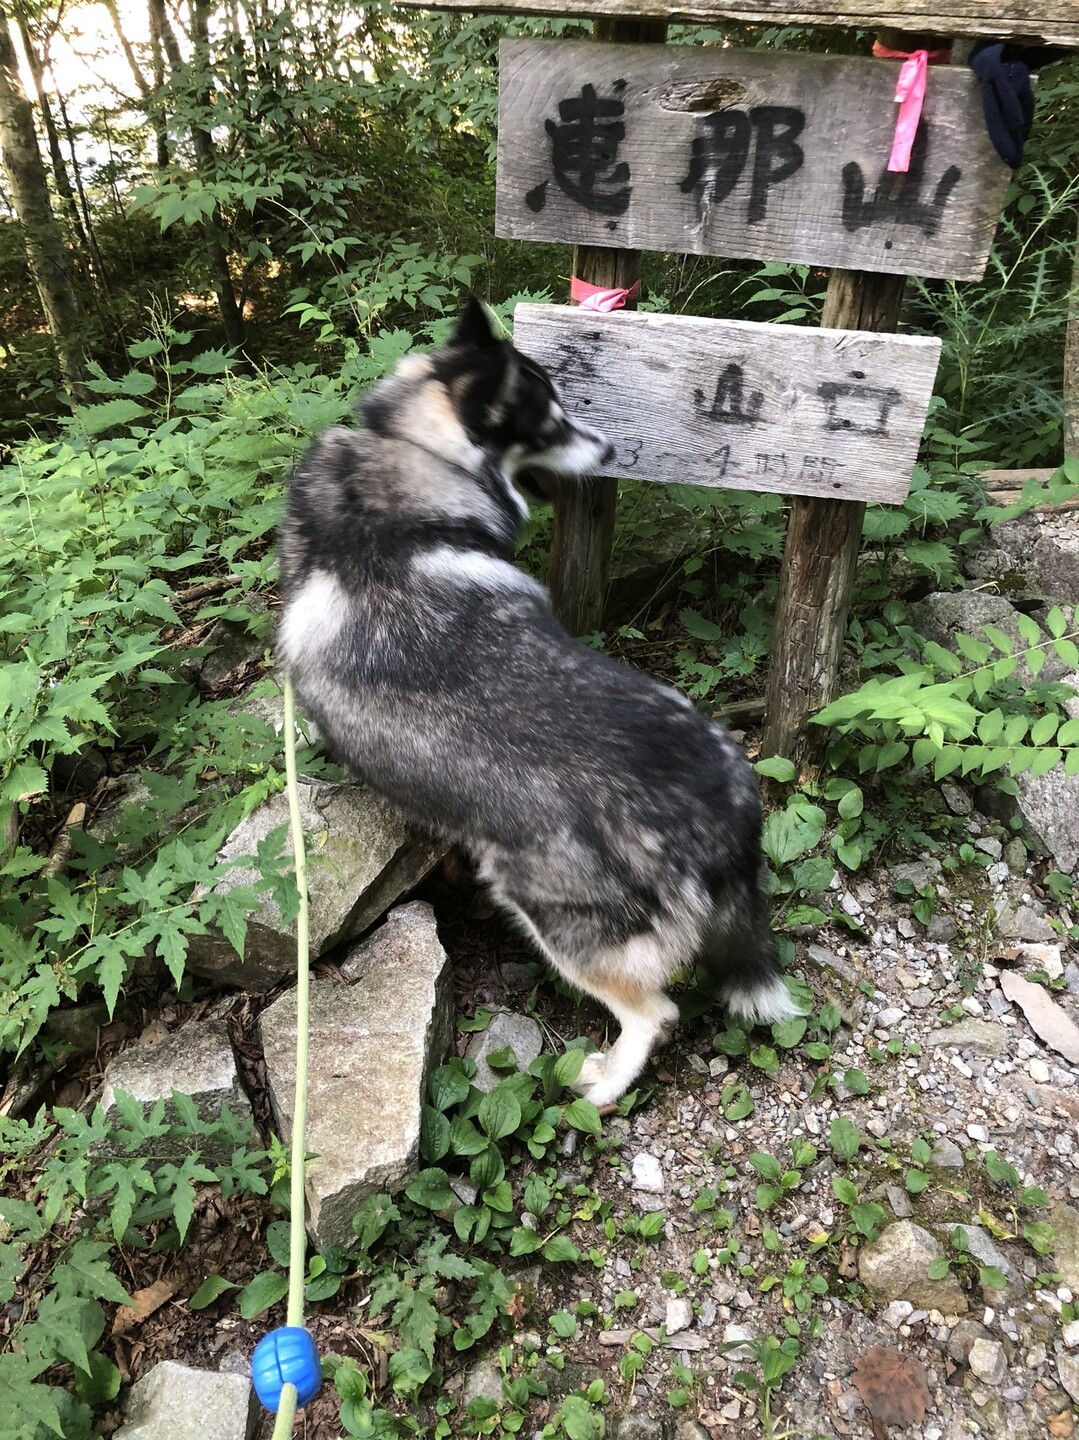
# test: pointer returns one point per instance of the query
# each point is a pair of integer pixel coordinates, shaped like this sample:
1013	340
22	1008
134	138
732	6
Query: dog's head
508	403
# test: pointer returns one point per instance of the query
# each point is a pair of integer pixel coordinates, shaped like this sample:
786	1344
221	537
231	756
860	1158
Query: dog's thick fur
616	823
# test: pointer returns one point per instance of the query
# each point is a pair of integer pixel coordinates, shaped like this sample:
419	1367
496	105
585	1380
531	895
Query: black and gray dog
609	817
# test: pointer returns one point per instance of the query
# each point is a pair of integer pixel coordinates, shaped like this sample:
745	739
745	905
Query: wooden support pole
821	548
819	556
584	511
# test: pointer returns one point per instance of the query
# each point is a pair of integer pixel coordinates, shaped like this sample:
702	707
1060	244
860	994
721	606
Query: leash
285	1368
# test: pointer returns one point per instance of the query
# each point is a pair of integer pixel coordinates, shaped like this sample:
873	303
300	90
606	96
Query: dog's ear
473	327
506	393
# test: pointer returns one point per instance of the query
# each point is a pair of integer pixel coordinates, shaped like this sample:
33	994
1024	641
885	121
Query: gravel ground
929	1049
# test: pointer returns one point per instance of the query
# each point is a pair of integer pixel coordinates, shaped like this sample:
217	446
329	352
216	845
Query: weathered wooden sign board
731	403
1046	22
755	154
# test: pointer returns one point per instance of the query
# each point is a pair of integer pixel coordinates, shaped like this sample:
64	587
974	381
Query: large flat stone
372	1044
1049	807
895	1266
945	614
197	1060
175	1402
361	858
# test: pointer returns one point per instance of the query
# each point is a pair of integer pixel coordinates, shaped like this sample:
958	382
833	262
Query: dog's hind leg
628	981
739	951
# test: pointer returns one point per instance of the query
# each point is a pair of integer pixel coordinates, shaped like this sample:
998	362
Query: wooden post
821	549
819	556
584	511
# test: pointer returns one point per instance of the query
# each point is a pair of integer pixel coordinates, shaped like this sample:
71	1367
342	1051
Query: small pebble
647	1174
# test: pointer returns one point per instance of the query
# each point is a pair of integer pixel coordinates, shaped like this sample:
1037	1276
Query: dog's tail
739	953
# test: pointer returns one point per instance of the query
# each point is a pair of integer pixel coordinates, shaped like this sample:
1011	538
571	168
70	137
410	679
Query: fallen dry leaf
1062	1425
848	1261
1046	1018
892	1386
146	1302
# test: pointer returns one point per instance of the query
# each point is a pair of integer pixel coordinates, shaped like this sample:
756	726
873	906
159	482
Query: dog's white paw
598	1082
592	1073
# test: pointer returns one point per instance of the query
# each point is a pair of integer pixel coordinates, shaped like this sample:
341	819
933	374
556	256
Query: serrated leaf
93	419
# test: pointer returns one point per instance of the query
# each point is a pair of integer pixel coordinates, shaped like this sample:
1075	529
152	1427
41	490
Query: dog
607	816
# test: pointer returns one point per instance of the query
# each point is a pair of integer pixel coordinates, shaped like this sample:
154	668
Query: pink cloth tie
909	94
595	297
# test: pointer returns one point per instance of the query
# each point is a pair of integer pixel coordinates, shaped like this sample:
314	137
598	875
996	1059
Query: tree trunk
30	196
87	227
203	145
59	169
150	105
161	129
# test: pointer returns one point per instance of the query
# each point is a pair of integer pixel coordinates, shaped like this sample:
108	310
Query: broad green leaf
265	1290
211	1289
431	1189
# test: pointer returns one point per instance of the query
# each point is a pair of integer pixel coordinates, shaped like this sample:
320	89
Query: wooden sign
833	413
755	154
1037	22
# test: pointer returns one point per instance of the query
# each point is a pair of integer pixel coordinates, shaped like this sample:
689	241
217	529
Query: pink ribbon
595	297
909	94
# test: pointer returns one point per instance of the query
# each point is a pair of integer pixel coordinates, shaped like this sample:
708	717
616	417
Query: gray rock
1015	856
523	1036
945	614
918	872
679	1314
981	1036
127	819
361	858
888	1019
1052	563
957	801
739	1353
946	1155
231	644
1049	807
987	1252
988	1361
483	1379
899	1201
1068	1374
829	960
990	846
197	1060
691	1430
962	1338
1021	922
895	1267
78	1027
647	1174
1065	1225
175	1402
372	1043
1042	957
641	1427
